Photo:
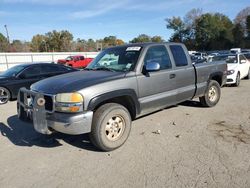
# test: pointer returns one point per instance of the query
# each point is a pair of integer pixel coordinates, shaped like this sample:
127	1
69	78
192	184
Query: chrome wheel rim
4	97
115	128
212	94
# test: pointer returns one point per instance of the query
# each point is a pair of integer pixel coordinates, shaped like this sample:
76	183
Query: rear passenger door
184	72
157	89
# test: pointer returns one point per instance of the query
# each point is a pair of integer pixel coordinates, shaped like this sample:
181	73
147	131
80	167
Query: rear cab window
179	55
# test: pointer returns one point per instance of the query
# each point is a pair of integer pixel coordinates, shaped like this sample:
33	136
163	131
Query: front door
243	66
27	77
157	89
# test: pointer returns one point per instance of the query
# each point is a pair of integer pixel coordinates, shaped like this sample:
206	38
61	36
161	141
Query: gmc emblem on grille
40	102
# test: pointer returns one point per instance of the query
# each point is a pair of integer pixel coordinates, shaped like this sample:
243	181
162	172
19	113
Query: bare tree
241	18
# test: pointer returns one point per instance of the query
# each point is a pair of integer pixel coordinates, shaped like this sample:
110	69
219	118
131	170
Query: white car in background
107	61
238	67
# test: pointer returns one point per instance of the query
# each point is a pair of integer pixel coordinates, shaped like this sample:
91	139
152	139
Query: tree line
211	31
197	30
62	41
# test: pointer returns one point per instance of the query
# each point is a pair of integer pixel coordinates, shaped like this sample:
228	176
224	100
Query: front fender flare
96	101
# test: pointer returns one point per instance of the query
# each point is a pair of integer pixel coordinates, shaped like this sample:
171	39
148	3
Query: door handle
171	76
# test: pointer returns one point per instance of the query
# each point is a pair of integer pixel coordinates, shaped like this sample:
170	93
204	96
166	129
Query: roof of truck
142	44
148	44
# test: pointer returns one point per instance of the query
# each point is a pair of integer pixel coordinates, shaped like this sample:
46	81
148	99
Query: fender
114	94
218	77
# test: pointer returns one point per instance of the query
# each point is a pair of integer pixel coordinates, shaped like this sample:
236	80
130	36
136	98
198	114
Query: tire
111	126
21	114
212	94
4	95
248	75
237	83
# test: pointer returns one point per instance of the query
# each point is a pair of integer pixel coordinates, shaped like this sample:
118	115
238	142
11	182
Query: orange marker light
76	97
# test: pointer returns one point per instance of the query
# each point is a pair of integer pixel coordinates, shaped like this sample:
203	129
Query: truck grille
28	98
48	103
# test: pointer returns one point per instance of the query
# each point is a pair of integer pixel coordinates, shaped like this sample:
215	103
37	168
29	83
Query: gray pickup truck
104	98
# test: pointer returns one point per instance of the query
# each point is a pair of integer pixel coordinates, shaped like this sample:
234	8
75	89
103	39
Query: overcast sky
96	19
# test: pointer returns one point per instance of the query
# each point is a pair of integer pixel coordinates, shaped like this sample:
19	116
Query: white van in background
235	50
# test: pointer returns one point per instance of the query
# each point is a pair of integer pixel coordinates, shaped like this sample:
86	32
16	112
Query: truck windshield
121	59
69	58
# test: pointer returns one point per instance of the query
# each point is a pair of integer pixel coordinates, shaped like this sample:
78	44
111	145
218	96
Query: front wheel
111	126
4	95
212	94
237	83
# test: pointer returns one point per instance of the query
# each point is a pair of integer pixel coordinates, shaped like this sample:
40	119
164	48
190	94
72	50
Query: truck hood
61	61
232	66
75	81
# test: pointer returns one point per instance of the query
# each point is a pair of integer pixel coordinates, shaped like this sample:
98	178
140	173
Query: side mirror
243	61
152	67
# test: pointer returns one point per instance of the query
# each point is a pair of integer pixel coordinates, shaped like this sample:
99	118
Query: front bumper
44	117
231	79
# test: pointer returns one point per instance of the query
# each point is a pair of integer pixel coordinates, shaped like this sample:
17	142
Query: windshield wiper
105	69
87	69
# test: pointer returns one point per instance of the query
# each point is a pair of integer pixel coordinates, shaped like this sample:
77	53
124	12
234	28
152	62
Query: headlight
69	102
69	97
229	72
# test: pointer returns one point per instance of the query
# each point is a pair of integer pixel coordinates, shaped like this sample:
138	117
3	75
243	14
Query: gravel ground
196	147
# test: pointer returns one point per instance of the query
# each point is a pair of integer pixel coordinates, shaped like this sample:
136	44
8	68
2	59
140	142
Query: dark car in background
26	74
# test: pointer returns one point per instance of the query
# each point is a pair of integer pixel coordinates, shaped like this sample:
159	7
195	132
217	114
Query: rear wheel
4	95
237	83
248	75
111	126
212	94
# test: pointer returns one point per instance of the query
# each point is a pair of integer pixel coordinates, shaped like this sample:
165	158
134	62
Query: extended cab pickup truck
77	61
103	99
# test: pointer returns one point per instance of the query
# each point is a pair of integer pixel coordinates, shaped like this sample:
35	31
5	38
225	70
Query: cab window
179	55
159	55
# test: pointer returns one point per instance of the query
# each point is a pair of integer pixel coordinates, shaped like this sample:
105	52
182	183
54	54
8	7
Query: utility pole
7	33
8	38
